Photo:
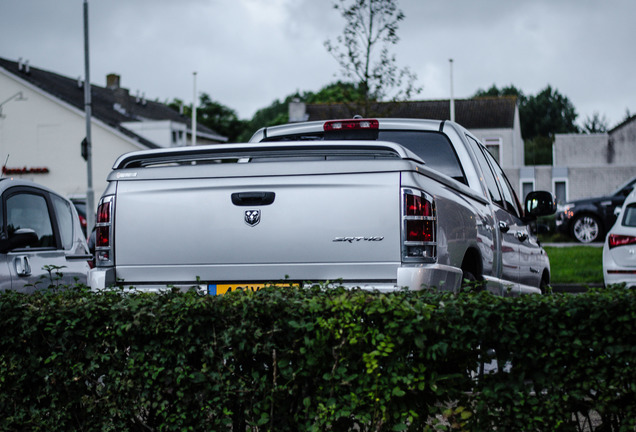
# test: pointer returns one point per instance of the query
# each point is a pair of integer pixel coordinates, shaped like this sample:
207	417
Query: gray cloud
249	52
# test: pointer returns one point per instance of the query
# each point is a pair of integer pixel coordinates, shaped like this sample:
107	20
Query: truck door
519	235
506	248
510	248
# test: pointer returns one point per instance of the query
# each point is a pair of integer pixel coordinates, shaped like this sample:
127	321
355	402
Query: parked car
619	250
80	206
41	240
587	220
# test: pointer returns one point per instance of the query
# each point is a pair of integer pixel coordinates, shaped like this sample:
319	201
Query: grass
576	264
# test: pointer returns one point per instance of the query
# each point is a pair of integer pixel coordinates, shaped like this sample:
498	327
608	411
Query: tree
362	51
595	124
493	91
338	92
278	111
274	114
546	114
214	115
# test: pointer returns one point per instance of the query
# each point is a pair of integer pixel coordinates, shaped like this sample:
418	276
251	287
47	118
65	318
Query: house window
494	147
560	188
526	187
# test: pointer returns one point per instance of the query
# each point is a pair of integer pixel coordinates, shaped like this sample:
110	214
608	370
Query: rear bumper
613	274
412	277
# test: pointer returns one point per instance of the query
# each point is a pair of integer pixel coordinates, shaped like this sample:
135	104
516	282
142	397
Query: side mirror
539	203
21	238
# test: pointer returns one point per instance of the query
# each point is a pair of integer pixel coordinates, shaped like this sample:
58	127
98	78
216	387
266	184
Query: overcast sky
247	53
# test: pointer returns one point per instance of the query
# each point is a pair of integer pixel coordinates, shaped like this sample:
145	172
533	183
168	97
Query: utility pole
452	97
194	109
90	194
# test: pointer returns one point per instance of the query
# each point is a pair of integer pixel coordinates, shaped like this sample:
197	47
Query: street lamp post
90	198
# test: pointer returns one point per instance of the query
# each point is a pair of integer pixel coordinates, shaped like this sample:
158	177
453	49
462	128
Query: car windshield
625	188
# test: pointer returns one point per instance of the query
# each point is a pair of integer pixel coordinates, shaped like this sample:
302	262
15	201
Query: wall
597	164
159	132
579	150
45	132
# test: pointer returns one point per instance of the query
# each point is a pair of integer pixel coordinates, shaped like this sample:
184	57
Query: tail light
82	220
615	240
104	232
419	225
335	125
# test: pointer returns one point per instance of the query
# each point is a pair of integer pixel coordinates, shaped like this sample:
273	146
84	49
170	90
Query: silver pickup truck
424	205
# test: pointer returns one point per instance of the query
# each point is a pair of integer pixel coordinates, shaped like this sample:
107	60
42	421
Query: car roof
8	182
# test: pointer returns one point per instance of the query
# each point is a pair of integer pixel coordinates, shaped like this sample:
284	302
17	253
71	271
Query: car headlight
564	208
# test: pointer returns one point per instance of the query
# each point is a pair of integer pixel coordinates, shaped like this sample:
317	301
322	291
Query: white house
42	125
587	165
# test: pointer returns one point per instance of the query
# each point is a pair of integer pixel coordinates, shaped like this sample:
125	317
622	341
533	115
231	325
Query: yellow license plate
218	289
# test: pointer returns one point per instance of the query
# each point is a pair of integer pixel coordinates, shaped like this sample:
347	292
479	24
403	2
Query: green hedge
289	359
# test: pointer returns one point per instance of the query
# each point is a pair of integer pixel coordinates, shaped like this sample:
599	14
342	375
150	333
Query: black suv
587	220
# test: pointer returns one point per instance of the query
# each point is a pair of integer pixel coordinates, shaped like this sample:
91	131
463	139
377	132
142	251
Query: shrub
289	359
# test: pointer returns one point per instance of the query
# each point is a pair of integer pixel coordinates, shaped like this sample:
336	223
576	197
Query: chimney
112	81
297	111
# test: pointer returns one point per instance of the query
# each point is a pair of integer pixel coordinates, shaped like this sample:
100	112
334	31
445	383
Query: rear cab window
434	148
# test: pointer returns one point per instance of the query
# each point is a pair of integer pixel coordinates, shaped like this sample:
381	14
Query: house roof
111	105
627	121
482	113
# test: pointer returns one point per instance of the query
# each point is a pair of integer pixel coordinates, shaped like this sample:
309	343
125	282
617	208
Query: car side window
629	218
489	176
510	198
30	211
65	220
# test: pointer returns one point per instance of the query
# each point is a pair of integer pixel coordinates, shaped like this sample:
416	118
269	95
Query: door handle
522	236
253	198
503	227
22	266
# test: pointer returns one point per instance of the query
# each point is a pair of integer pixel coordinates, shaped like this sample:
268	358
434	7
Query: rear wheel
586	228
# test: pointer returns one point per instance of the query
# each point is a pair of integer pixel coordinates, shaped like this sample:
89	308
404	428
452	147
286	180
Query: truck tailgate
336	225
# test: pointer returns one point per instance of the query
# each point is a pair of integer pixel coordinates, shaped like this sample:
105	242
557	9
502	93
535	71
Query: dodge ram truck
422	206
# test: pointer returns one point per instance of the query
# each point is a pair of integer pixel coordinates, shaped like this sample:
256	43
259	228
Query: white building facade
42	126
40	140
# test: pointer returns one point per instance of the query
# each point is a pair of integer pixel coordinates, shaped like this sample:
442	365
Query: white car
619	251
39	232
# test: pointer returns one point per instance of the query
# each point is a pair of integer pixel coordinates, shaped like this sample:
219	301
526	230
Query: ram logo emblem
252	217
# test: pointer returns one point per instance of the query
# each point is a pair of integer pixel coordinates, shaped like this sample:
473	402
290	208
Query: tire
586	228
544	286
